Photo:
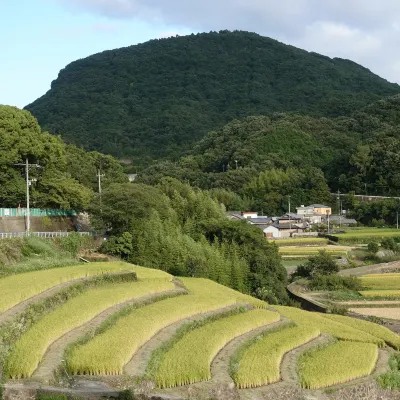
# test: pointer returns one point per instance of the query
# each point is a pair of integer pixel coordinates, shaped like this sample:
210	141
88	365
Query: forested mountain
155	100
257	162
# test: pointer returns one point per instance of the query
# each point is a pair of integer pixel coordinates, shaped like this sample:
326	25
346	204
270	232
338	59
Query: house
278	230
289	218
261	220
313	210
249	214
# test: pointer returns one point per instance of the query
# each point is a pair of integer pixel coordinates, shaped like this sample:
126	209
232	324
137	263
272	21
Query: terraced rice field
337	363
17	288
310	250
188	358
302	242
259	363
379	286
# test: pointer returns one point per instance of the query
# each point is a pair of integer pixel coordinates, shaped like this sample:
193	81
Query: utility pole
328	222
28	183
99	176
290	220
397	219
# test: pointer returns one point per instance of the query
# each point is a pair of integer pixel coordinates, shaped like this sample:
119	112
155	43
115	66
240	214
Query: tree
320	264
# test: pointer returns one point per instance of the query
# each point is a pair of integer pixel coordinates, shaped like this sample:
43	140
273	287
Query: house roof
260	220
287	226
262	227
290	218
318	206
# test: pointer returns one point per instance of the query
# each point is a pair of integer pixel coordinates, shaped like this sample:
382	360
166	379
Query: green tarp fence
36	212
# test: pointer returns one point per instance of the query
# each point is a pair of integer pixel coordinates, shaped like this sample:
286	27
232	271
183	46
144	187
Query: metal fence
36	212
7	235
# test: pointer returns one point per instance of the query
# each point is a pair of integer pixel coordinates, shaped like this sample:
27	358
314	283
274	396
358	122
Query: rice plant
108	352
337	363
381	281
17	288
189	360
390	338
258	364
381	293
32	345
337	329
315	241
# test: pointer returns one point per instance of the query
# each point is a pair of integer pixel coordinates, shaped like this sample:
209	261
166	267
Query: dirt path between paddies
136	367
9	314
55	352
369	269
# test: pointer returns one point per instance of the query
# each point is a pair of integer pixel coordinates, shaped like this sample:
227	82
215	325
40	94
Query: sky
40	37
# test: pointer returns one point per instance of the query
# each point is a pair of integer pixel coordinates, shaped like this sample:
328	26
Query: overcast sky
40	37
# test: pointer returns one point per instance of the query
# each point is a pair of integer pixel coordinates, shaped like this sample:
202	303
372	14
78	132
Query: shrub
335	282
320	264
391	379
373	247
389	244
73	243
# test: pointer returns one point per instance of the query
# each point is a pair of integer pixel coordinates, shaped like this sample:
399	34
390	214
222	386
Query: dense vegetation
66	177
257	162
154	100
185	232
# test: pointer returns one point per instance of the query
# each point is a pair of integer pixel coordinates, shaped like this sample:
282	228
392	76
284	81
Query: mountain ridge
156	99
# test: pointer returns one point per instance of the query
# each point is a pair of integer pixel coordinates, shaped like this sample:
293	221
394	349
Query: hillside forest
170	226
283	123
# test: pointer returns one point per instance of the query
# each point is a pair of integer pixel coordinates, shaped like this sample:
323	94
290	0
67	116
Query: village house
314	210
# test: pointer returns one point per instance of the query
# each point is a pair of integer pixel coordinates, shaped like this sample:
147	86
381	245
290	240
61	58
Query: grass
302	242
17	288
391	379
337	363
108	352
290	263
189	360
389	337
337	329
381	281
258	363
24	357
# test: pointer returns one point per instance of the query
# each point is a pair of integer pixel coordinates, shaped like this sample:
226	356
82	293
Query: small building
261	220
278	230
313	209
249	214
